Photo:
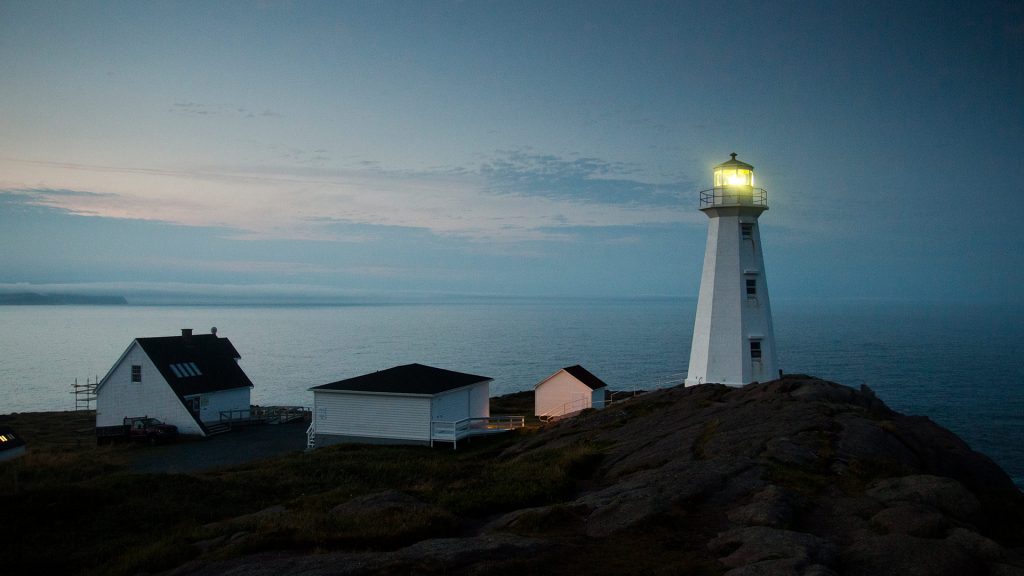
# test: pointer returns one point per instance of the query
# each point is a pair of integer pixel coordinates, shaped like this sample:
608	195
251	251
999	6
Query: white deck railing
444	431
311	436
567	408
611	397
268	414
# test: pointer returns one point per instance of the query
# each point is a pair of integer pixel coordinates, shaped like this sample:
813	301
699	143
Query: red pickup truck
142	429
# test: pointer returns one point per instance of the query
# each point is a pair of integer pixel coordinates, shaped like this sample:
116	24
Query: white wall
372	415
454	405
450	406
561	394
726	319
211	404
480	400
118	397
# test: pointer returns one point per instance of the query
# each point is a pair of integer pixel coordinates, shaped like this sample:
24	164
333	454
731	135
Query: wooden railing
447	431
235	415
267	414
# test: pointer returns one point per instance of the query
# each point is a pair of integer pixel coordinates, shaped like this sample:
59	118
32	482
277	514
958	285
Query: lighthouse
733	341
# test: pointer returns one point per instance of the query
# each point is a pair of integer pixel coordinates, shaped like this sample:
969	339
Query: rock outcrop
793	477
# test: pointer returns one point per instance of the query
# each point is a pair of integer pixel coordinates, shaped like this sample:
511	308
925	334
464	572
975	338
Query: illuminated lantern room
734	173
734	185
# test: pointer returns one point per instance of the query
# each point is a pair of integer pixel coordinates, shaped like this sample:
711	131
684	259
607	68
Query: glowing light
734	177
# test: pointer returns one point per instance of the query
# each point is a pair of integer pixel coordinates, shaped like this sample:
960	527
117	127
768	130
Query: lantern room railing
733	196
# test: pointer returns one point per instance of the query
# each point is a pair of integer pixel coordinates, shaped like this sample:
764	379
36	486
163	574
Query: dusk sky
508	148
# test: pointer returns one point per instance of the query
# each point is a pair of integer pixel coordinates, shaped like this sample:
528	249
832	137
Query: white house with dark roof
567	392
410	404
191	381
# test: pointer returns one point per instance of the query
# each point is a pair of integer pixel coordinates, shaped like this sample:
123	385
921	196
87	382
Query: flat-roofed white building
410	404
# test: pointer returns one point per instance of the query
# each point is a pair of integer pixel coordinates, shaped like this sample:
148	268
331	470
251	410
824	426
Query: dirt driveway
239	446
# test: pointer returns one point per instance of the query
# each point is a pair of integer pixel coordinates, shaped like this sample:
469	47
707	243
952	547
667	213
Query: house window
755	350
751	287
136	373
747	231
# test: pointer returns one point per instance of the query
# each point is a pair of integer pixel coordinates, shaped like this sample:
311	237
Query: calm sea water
961	365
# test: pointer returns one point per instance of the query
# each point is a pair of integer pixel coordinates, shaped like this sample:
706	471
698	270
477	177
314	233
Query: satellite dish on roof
213	330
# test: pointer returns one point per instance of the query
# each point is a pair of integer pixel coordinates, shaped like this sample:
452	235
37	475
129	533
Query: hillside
792	477
797	476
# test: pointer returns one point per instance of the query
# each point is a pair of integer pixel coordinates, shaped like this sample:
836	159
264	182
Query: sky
508	148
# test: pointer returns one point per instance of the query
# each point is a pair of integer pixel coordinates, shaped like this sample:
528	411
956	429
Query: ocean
962	365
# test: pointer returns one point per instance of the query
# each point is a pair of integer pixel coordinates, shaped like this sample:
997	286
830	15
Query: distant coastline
36	299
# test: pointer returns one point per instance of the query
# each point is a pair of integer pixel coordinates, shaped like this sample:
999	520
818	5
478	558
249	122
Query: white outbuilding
191	381
410	404
567	392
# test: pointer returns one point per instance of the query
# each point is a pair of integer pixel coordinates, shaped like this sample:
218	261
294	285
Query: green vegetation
72	508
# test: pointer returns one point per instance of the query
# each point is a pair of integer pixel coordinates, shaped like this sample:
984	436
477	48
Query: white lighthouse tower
733	341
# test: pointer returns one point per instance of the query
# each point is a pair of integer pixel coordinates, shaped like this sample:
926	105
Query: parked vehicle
141	429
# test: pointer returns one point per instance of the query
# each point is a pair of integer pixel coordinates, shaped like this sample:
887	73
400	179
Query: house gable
174	370
118	397
567	391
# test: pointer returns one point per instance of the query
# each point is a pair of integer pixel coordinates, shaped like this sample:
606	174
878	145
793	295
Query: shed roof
584	375
196	364
407	379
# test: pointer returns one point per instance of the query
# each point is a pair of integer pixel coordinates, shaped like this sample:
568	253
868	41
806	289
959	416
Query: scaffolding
85	394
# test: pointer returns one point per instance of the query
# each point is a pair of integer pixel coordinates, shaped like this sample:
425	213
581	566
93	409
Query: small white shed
567	392
191	381
408	404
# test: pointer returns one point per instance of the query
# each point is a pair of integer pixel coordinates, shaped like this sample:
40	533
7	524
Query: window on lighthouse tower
751	287
755	350
747	231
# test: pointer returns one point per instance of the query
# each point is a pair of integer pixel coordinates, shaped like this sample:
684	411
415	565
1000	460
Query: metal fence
733	196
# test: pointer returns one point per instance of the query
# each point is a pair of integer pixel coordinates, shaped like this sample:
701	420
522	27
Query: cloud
198	109
159	292
278	268
586	178
511	197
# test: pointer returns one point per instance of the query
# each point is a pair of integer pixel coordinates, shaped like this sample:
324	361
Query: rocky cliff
793	477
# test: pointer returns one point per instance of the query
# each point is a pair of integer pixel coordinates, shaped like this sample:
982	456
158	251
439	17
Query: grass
699	445
73	508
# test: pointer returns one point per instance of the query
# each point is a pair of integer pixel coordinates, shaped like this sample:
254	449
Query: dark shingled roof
408	379
214	357
581	374
734	163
